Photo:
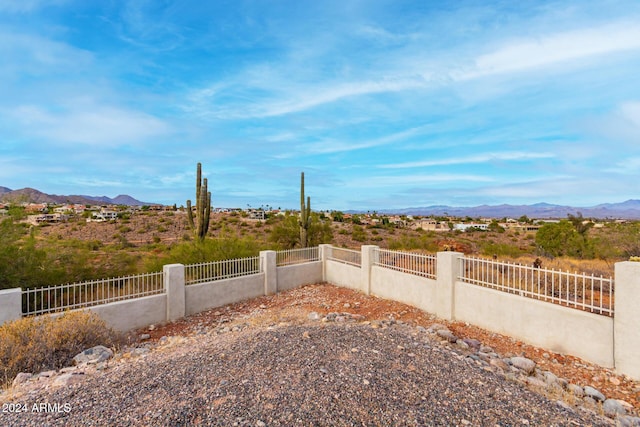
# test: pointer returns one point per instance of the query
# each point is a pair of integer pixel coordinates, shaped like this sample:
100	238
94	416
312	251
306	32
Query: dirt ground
294	307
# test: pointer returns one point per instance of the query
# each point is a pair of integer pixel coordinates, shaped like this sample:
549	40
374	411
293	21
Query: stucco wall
561	329
345	275
207	295
292	276
403	287
10	304
134	313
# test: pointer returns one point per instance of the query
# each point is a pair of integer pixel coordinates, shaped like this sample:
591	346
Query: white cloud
481	158
523	55
416	179
97	125
37	55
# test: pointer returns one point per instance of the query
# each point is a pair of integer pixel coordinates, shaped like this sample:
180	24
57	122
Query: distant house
470	226
103	215
76	209
46	218
36	207
430	225
258	214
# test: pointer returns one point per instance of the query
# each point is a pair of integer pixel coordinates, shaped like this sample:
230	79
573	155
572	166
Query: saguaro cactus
203	207
305	215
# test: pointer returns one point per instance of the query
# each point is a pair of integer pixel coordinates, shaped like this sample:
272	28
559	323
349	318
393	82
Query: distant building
103	215
258	214
46	218
467	226
430	225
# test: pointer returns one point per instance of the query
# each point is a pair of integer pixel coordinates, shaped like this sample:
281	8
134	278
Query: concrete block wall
612	342
179	300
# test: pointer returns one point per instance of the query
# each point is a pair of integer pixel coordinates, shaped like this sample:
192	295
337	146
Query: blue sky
383	104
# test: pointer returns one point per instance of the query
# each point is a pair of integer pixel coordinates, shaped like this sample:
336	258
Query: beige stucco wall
292	276
627	324
403	287
10	304
134	313
560	329
207	295
345	275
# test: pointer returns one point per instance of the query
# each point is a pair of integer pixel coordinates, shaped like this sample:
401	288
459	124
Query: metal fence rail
297	256
345	256
581	291
218	270
51	299
407	262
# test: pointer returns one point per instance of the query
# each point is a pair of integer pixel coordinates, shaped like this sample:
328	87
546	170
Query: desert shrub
500	250
286	232
35	344
210	249
358	233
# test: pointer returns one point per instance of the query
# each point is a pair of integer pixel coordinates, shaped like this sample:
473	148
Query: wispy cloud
417	179
97	125
37	55
481	158
547	50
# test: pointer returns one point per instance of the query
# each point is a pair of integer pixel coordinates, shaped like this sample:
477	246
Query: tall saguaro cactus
305	215
203	207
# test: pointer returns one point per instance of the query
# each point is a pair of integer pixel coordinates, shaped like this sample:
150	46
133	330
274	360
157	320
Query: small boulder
613	407
93	355
594	394
628	421
524	364
576	390
22	377
447	334
473	343
313	316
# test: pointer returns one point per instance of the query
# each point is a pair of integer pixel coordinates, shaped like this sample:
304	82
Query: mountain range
625	210
629	209
31	195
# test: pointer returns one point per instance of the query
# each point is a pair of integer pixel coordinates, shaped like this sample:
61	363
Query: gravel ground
311	373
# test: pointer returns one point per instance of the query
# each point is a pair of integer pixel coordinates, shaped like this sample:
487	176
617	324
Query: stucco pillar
174	287
626	323
10	304
269	267
325	251
368	259
447	270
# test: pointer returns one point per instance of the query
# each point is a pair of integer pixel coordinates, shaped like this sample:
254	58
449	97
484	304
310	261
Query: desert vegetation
35	344
75	250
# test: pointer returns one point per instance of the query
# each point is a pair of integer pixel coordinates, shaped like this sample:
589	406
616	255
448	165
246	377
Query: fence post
10	304
627	318
268	265
368	258
325	250
448	267
174	288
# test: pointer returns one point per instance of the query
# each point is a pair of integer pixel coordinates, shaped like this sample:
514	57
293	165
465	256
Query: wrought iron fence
297	256
346	256
218	270
424	265
52	299
581	291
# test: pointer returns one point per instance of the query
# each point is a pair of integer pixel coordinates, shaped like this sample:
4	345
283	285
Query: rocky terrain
322	355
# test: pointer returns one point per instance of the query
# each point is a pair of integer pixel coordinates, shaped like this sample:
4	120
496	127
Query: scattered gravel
315	373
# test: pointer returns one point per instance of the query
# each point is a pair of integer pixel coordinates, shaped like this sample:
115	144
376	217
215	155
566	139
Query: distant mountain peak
31	195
